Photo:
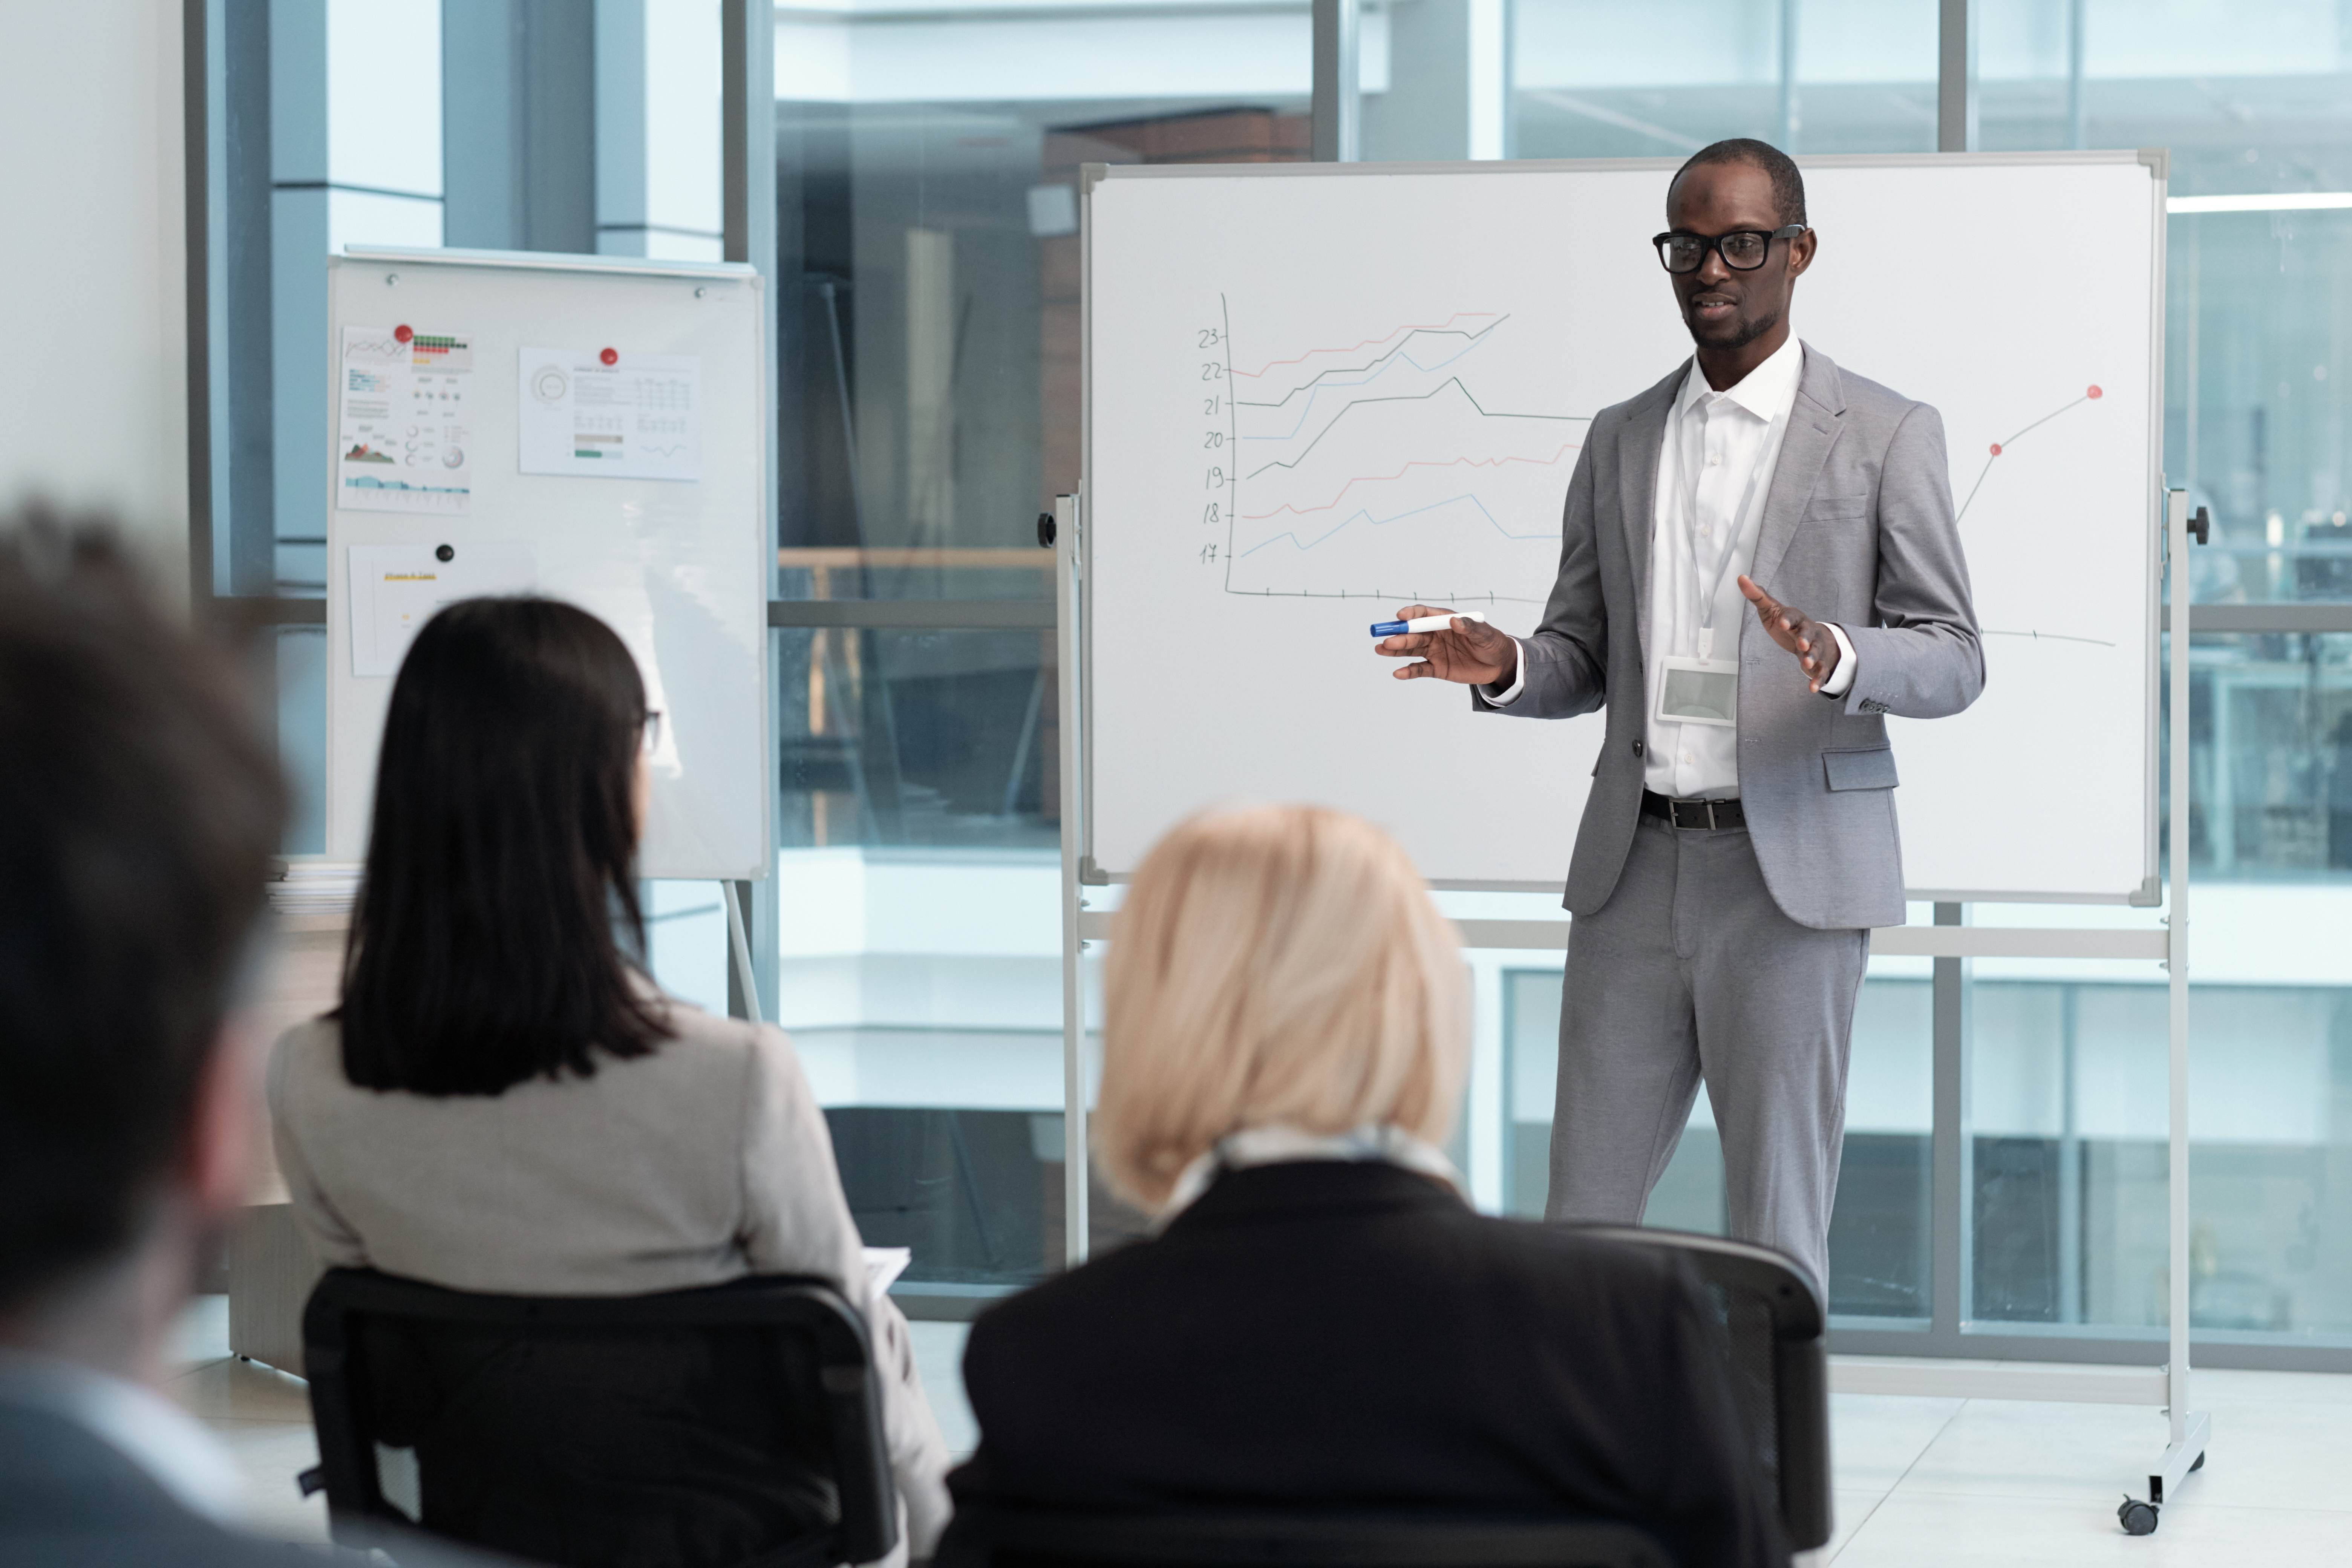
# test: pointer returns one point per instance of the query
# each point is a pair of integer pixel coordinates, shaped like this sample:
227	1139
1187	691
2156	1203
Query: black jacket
1353	1335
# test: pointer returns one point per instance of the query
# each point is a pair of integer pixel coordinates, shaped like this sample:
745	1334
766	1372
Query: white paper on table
395	588
403	426
639	417
885	1264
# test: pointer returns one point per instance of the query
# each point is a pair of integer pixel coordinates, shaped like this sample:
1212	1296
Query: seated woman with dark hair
504	1103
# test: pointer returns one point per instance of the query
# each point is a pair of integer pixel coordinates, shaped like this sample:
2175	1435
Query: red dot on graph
611	356
401	334
2094	391
1996	448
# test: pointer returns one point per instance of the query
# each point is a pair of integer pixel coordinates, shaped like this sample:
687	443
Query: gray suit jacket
1858	529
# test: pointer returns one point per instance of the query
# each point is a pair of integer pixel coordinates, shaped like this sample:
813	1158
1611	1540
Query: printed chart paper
606	414
402	444
395	588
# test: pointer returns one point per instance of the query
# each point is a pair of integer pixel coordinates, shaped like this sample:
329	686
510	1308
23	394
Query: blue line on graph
1386	365
1376	521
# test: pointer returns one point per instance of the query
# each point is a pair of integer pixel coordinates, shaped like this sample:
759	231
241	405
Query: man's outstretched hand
1808	639
1473	653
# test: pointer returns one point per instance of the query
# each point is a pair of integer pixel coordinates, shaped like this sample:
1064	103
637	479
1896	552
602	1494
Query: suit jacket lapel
1813	425
1640	440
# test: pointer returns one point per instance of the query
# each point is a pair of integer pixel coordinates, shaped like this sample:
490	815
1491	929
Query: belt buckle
1674	814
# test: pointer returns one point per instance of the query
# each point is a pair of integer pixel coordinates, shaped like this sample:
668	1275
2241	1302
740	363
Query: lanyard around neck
1749	499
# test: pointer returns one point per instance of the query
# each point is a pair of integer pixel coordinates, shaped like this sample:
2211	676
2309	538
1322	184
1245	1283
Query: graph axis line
1234	438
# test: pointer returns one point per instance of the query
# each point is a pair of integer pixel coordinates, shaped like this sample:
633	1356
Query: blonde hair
1274	963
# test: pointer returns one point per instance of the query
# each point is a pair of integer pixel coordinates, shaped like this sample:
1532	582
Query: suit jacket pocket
1861	767
1827	506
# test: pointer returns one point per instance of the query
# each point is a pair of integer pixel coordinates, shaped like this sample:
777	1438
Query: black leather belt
1698	813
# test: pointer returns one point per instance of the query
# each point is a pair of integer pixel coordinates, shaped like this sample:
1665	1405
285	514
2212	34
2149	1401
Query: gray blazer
1858	529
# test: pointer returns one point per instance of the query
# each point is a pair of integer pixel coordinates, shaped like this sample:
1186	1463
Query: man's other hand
1808	639
1473	653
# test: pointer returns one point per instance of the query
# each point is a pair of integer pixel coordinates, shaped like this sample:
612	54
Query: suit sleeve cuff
1841	680
1492	699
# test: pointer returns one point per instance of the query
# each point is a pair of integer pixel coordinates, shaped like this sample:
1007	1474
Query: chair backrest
994	1536
724	1427
1773	1325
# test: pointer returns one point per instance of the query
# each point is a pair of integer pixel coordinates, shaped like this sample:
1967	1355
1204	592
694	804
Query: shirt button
1686	757
1637	748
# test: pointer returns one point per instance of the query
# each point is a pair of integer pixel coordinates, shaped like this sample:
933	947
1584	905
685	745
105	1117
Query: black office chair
1773	1325
735	1426
993	1535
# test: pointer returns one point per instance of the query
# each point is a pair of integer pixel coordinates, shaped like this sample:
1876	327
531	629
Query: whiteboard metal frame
2189	1431
2156	159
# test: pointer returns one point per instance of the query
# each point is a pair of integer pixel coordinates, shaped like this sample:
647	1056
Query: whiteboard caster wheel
2198	1464
2138	1518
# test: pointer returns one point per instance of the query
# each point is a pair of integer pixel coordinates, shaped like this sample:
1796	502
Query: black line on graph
1401	344
1452	380
2047	636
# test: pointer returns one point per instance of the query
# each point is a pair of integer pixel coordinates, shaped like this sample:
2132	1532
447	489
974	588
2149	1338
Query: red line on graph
2090	395
1383	478
1368	342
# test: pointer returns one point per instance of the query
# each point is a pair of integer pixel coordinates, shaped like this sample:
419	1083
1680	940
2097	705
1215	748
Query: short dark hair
1788	185
139	808
487	947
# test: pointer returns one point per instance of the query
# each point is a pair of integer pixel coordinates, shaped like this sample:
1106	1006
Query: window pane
1879	1234
927	241
2069	1125
2270	757
1598	79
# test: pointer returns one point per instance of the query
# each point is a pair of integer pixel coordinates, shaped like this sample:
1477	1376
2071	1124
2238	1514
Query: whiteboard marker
1425	623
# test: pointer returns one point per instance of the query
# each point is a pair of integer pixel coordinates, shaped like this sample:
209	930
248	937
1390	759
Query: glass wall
1594	79
926	222
2067	1113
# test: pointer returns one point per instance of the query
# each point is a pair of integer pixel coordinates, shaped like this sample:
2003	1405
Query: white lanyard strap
1748	500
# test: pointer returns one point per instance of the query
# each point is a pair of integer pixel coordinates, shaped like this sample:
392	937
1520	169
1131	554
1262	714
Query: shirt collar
163	1440
1278	1143
1763	392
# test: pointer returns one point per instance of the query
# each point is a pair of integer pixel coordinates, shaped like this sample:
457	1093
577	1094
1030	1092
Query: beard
1745	332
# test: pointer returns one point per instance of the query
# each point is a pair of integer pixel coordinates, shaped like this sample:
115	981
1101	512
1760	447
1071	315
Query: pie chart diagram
549	384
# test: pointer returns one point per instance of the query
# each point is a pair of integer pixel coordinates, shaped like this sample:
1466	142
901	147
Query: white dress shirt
1714	469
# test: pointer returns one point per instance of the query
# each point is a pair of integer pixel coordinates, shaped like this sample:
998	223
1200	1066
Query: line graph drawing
2091	395
1422	455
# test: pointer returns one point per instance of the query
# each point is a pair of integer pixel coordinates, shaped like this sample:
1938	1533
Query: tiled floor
1921	1483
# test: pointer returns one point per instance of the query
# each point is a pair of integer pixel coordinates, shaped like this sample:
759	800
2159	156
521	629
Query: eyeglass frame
650	738
1715	244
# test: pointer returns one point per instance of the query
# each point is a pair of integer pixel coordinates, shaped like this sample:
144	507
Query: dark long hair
502	871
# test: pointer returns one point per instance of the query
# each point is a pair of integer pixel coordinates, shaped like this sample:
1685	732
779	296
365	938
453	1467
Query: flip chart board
590	428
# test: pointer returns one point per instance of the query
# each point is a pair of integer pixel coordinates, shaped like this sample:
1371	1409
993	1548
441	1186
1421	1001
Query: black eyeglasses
1743	249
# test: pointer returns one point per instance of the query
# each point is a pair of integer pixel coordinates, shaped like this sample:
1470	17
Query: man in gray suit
1739	839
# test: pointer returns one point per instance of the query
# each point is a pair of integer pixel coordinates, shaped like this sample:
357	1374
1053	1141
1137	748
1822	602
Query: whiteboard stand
2166	1387
738	946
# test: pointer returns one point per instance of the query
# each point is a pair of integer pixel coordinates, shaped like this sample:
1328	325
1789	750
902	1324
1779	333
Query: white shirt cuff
1841	680
1519	679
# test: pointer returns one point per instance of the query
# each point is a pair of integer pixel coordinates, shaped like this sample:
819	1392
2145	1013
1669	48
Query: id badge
1699	691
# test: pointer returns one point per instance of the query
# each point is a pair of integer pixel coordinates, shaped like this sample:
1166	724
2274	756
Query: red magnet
401	334
611	356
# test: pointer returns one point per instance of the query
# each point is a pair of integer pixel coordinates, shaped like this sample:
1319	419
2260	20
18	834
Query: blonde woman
1320	1319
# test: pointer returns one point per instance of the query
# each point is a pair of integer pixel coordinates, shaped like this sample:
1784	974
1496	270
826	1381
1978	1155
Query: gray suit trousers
1691	970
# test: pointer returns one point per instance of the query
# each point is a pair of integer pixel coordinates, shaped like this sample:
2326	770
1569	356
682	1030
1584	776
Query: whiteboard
1318	393
676	565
